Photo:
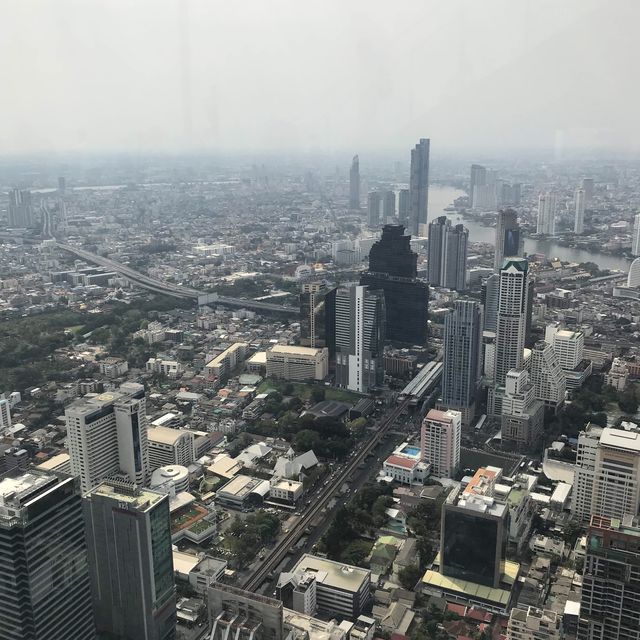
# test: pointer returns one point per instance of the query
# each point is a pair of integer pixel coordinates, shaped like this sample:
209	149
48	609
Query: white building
113	367
288	491
533	624
635	241
405	470
568	345
171	479
633	277
297	363
547	204
170	447
107	436
578	223
170	368
224	363
546	375
5	414
607	475
618	375
440	441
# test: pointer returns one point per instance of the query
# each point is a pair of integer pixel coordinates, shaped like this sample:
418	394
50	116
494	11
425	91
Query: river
441	197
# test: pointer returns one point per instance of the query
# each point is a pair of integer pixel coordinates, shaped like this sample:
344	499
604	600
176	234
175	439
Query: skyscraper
318	316
509	238
478	178
360	335
546	375
512	311
447	254
374	201
44	580
20	209
354	184
440	441
107	436
546	214
403	207
489	297
610	580
393	269
130	561
62	185
388	206
635	241
462	363
419	188
578	224
588	186
522	414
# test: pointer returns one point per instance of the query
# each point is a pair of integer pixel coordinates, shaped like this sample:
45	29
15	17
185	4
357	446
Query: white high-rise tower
547	214
580	198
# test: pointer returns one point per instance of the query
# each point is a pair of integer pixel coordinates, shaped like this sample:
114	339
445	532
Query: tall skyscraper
44	581
107	436
374	201
360	335
509	238
546	375
522	414
393	269
578	224
419	188
462	363
403	207
546	214
440	441
635	241
607	475
130	561
489	297
588	186
512	321
610	580
447	254
388	206
20	209
62	185
478	178
354	184
318	316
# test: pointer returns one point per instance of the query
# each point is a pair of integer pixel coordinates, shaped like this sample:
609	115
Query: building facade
509	238
354	183
578	223
534	624
447	254
294	363
318	316
546	223
547	376
440	441
419	188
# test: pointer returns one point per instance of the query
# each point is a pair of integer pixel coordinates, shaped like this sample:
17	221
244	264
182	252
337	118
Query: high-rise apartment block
547	203
522	413
462	362
107	436
607	474
568	345
388	206
403	206
478	178
130	561
580	199
20	209
546	375
360	335
354	184
374	203
318	316
611	580
419	188
393	269
509	238
635	240
440	441
588	186
44	581
447	254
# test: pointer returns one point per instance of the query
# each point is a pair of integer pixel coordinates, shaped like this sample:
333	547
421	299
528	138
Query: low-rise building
170	368
297	363
224	363
533	624
405	470
242	492
113	367
286	491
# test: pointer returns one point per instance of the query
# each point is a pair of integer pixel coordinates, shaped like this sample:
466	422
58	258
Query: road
326	495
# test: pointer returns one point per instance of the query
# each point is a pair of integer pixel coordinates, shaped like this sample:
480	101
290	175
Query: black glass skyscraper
393	268
318	316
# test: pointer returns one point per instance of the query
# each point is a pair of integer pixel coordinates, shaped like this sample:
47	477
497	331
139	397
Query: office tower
607	474
546	375
388	206
354	184
611	580
360	335
20	209
243	615
633	277
462	362
509	238
578	224
490	295
403	207
130	561
546	214
62	185
512	310
522	413
568	345
478	178
48	220
318	316
531	623
447	254
635	240
107	436
44	581
474	532
5	413
374	202
486	194
419	188
393	269
588	187
440	441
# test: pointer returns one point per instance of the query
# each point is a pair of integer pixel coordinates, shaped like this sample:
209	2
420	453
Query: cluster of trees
361	517
246	536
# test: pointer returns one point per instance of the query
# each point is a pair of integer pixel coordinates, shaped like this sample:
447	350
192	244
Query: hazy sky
317	75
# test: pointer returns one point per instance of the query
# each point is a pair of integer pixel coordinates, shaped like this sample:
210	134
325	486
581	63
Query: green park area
308	391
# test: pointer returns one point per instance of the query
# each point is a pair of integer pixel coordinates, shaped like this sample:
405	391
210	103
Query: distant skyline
189	75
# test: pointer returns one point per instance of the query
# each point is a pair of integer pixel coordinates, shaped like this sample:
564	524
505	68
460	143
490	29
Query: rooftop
295	350
401	461
620	439
138	499
241	486
16	492
165	435
334	574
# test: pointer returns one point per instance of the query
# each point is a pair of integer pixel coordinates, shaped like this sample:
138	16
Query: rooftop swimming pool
410	451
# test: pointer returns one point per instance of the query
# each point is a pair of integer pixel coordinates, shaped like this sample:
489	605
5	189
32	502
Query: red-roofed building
458	609
479	615
405	470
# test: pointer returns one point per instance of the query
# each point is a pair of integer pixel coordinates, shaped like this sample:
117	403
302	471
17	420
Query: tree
317	395
628	402
409	576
